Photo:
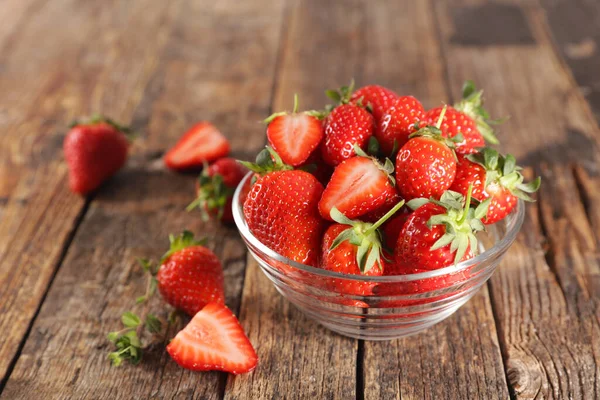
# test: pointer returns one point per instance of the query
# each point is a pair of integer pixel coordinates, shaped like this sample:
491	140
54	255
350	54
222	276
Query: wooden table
67	264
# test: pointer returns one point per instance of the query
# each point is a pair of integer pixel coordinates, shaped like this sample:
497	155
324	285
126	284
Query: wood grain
189	80
543	313
40	92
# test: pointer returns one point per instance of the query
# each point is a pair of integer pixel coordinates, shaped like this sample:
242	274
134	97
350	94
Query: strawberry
95	149
426	164
392	228
467	117
202	143
294	136
345	126
374	215
215	187
214	340
317	167
439	233
375	97
353	248
281	211
493	177
190	275
358	185
399	121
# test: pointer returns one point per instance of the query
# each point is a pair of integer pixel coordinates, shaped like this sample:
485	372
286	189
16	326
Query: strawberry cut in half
203	143
294	136
214	340
358	186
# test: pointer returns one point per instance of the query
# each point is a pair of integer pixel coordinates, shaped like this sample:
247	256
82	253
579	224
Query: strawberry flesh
203	143
294	137
214	340
357	187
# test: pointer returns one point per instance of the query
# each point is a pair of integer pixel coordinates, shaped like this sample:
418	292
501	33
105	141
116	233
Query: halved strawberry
203	143
358	185
294	136
214	340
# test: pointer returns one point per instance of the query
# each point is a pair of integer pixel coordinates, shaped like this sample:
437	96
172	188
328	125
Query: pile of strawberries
373	185
377	185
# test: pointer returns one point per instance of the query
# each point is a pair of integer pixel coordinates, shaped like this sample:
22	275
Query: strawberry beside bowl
400	305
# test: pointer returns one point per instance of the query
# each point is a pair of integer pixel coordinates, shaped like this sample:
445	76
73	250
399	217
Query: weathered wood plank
543	313
573	24
40	91
205	71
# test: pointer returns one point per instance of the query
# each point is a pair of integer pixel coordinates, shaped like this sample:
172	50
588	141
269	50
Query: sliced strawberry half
203	143
359	185
213	341
294	136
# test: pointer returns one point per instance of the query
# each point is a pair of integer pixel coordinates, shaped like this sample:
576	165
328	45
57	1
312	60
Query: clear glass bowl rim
514	223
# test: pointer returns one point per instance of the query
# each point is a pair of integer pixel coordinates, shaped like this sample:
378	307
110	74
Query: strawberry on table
202	143
467	117
294	136
281	211
347	125
190	275
378	98
353	248
358	185
426	164
439	233
398	122
95	149
214	340
495	177
215	187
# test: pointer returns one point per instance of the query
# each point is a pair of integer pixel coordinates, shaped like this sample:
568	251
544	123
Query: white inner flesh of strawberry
208	140
293	129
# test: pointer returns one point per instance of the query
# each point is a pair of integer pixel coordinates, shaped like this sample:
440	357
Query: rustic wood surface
67	264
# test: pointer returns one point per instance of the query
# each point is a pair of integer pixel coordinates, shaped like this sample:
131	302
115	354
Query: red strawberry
95	150
495	177
281	210
214	340
353	248
392	228
346	126
215	187
398	123
425	165
467	117
440	233
294	136
358	185
190	275
378	98
203	143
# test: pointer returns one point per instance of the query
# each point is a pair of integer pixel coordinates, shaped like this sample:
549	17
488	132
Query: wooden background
67	264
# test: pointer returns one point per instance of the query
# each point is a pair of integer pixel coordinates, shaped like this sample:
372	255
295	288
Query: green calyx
504	171
387	167
184	240
365	236
472	105
434	132
342	95
267	161
460	220
213	194
101	119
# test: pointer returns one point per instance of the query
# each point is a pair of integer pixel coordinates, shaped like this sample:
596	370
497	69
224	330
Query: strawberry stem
467	205
438	124
384	218
295	110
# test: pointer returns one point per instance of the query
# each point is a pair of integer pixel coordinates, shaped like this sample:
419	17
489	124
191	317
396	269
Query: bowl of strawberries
377	218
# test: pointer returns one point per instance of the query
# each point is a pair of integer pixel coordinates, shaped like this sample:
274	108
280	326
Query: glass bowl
400	305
